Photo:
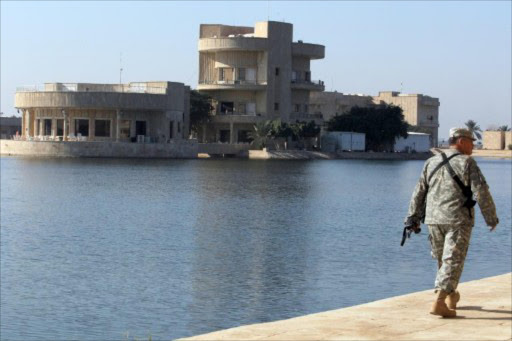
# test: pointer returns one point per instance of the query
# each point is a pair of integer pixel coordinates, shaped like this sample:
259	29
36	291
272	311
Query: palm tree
261	134
503	128
474	129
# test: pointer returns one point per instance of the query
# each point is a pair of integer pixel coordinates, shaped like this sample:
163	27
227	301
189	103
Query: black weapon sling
466	190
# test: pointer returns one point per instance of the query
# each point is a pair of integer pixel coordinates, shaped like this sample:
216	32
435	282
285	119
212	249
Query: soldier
443	200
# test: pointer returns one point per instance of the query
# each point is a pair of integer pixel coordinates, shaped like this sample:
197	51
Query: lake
121	249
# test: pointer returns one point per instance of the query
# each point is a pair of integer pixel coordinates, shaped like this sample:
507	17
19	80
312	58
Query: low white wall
183	149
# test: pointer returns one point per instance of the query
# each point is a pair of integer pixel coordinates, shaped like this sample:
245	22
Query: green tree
503	128
382	124
474	129
262	134
280	129
200	110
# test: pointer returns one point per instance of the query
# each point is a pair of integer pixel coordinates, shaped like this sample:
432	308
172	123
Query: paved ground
484	313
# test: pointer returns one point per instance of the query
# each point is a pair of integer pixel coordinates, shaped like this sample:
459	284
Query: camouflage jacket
441	200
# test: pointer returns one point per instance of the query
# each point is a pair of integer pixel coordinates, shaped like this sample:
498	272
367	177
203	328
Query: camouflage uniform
439	203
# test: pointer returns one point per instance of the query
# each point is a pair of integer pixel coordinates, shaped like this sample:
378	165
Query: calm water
121	249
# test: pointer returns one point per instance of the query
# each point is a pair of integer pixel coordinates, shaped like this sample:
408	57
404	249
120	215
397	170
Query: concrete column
118	119
132	127
41	126
22	123
231	133
54	127
204	133
71	126
91	129
30	123
66	127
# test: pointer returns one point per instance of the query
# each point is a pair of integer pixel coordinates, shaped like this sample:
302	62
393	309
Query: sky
459	52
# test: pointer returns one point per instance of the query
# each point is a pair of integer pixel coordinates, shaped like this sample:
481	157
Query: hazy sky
457	51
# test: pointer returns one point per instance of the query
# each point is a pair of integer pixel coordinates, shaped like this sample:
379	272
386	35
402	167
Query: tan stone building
494	139
142	112
418	109
254	74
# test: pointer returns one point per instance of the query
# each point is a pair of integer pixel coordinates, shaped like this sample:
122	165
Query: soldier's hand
492	228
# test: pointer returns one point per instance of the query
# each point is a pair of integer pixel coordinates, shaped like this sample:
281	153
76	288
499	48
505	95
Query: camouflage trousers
450	245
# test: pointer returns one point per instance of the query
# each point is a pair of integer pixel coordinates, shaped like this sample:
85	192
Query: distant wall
183	149
508	139
493	140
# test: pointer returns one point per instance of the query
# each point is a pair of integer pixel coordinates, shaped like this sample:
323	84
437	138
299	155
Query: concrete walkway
484	313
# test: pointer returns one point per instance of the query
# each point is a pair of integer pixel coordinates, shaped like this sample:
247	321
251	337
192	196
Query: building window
102	128
241	74
179	127
297	107
140	127
276	106
277	71
224	136
47	127
226	108
243	136
124	128
307	76
82	127
171	129
306	108
226	74
60	127
241	108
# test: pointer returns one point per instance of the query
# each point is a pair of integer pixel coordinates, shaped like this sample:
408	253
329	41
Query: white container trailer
418	142
343	141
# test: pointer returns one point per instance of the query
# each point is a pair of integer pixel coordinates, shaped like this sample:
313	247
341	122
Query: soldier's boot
440	308
452	299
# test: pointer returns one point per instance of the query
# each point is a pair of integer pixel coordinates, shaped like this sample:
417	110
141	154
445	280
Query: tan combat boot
440	308
452	299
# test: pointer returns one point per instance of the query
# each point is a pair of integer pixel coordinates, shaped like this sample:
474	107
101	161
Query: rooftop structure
148	111
254	74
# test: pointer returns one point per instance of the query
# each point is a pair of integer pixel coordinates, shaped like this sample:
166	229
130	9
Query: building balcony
233	117
300	84
298	116
312	51
232	44
232	85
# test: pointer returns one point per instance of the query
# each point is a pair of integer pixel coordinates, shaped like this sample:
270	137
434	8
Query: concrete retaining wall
184	149
223	148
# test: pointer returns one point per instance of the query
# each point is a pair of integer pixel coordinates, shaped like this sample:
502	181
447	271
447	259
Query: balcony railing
233	82
310	82
77	87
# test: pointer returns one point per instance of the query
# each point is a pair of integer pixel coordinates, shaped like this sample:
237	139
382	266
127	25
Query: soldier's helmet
461	132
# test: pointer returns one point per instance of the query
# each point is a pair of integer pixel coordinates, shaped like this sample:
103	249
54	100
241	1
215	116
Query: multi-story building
254	74
419	110
151	111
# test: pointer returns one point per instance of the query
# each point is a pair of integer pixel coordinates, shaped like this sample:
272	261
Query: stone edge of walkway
401	317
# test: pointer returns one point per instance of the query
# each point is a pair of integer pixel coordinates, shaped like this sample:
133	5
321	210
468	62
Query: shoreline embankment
483	313
190	149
